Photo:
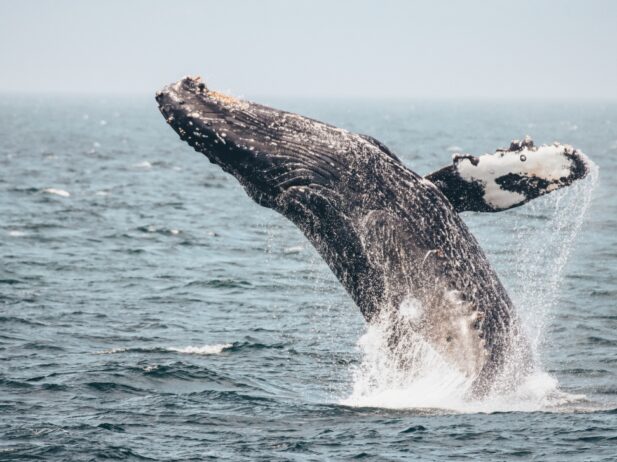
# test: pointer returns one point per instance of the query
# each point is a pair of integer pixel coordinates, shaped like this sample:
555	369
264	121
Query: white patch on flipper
548	162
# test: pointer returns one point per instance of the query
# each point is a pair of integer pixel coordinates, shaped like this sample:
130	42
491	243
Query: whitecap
57	192
144	164
111	351
293	249
203	350
214	349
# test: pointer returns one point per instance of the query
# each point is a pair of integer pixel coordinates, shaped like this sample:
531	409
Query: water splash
545	232
418	377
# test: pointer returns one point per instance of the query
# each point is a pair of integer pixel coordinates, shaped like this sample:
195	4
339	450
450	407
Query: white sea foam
145	164
429	382
419	377
16	233
380	380
111	351
293	249
203	350
57	192
214	349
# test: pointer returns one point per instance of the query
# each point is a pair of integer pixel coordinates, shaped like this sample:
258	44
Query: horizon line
322	97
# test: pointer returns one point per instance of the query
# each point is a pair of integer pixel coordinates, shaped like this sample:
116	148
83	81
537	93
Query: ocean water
150	311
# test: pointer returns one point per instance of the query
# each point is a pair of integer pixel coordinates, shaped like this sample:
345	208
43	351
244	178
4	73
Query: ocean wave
216	283
204	349
57	192
144	164
294	249
18	320
113	386
184	371
157	230
214	349
199	350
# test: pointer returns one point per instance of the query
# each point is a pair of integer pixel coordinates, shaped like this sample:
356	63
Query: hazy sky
501	49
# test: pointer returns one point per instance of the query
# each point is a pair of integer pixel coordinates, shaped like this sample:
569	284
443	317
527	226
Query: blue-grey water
150	311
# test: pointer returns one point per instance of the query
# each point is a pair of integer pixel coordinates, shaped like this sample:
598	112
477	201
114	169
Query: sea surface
149	310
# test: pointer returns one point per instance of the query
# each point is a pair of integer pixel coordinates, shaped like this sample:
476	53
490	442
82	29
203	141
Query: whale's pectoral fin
509	177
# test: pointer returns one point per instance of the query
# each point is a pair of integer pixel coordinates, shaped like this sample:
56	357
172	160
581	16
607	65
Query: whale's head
207	121
510	177
260	146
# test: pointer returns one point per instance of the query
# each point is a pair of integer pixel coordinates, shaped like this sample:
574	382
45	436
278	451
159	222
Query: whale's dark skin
389	235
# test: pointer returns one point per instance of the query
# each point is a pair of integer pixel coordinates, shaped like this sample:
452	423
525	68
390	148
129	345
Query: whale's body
390	236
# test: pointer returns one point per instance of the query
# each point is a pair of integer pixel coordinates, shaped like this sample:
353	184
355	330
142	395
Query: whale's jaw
205	120
262	147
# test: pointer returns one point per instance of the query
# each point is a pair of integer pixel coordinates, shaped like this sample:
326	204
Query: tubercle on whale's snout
195	87
189	103
180	102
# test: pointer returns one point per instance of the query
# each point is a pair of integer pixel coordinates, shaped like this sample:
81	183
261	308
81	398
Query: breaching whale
390	236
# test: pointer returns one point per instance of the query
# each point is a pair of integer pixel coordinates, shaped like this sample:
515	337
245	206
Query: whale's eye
523	157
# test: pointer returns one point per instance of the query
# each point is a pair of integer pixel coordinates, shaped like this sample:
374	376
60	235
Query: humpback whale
391	237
